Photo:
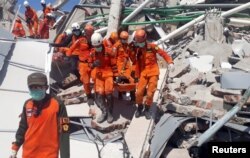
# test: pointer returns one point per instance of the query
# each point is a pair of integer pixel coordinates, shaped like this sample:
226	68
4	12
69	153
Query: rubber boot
138	112
110	105
101	103
90	99
147	112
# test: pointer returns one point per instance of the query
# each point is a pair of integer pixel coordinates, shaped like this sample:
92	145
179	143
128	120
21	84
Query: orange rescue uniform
81	48
18	30
146	65
44	28
122	60
31	16
104	74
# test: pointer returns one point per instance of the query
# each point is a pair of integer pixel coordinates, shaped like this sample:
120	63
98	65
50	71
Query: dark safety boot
147	112
138	112
101	102
110	105
90	99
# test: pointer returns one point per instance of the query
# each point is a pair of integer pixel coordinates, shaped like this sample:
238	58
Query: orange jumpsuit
46	10
148	69
31	16
81	48
18	30
122	60
59	40
104	74
44	28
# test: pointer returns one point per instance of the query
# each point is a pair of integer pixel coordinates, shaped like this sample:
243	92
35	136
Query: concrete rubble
204	49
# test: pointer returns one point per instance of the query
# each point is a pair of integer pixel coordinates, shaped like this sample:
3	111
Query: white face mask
141	45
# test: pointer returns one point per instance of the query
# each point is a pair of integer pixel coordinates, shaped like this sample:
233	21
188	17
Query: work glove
171	67
96	63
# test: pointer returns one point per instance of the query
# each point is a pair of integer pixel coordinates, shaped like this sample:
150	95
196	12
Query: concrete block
190	78
71	92
216	90
194	111
243	65
234	99
181	67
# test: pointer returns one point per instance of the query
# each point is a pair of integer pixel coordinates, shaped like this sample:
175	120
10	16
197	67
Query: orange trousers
149	82
104	85
33	28
85	71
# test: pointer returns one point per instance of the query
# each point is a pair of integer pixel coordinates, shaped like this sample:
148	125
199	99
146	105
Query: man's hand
171	67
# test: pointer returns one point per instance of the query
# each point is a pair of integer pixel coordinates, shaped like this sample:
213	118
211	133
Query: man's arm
20	134
63	131
64	43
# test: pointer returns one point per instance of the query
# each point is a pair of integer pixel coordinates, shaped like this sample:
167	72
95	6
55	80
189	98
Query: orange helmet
18	20
124	35
114	36
89	29
140	35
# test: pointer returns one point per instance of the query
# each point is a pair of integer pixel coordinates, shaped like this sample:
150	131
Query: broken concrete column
194	111
213	27
114	16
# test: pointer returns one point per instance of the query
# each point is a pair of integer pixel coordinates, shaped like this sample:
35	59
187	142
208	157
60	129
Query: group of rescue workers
113	63
37	28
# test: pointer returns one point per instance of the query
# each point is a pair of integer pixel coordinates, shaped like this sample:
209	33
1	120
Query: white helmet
75	26
68	32
96	39
26	4
43	2
49	14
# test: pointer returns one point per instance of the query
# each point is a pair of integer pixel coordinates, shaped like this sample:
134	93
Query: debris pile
211	71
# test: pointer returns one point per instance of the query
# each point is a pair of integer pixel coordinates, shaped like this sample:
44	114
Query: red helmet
140	35
114	36
124	35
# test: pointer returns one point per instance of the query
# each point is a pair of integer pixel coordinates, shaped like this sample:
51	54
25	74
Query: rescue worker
123	62
18	30
102	60
63	40
81	48
44	126
88	32
113	38
59	50
48	9
31	20
149	71
45	26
